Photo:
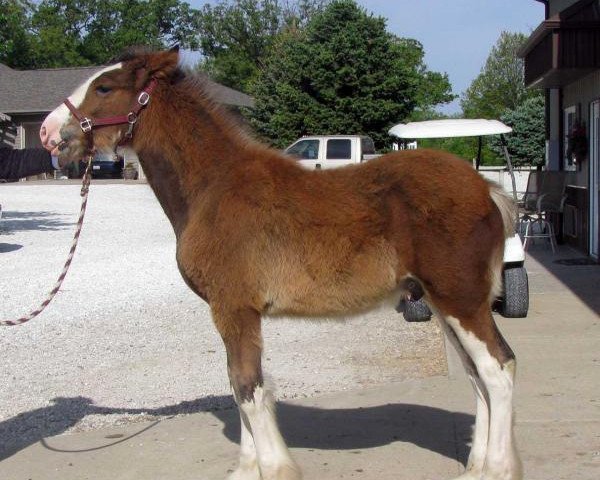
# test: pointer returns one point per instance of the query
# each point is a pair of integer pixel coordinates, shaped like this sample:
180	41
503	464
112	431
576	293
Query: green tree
59	33
500	85
15	45
343	73
236	35
527	142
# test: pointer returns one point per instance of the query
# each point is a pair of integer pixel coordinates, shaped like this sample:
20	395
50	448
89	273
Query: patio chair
545	194
527	202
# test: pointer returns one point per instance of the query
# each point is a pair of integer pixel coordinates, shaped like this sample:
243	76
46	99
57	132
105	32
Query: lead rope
85	188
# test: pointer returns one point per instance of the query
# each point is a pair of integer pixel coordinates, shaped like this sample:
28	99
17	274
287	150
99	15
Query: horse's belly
330	289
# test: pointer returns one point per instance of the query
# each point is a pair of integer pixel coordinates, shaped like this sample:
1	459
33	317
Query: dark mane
130	53
133	52
200	91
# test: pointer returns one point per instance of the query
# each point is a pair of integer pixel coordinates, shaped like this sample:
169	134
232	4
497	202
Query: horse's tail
506	206
507	209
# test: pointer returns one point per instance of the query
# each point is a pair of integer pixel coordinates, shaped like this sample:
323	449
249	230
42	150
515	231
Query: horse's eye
103	90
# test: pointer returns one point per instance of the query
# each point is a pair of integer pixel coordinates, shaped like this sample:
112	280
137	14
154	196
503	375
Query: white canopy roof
455	127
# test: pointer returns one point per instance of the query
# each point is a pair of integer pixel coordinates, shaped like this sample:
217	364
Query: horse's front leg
264	454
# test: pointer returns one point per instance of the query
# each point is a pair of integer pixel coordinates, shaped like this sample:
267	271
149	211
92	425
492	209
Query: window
31	135
339	149
305	149
367	145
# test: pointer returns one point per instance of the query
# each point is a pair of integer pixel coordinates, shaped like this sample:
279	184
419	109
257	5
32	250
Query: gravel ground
126	340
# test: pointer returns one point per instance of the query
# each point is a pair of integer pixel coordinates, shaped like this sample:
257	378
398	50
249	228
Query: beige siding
583	91
580	94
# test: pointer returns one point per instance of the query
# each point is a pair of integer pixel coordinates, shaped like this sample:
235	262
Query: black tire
416	311
515	301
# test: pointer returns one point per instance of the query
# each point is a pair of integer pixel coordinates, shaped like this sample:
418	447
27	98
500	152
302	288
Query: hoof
472	475
283	472
469	476
245	473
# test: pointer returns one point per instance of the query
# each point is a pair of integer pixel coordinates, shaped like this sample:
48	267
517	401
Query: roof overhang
20	89
564	47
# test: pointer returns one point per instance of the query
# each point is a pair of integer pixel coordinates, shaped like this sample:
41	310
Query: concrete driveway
416	428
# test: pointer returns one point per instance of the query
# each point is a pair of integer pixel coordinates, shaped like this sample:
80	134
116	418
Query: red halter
88	124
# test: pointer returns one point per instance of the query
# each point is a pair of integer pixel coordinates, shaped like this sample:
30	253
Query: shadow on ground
27	428
13	222
9	247
434	429
574	270
303	427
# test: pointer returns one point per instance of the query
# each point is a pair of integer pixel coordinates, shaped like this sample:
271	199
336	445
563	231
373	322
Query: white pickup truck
322	151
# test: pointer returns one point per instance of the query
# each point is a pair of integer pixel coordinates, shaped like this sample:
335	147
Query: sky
457	35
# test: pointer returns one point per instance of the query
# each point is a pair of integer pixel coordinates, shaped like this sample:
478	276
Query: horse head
106	105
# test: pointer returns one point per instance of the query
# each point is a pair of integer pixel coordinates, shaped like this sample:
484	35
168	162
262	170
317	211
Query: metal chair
545	194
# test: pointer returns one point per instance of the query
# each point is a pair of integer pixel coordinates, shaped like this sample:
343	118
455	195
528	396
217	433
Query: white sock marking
501	460
274	459
248	467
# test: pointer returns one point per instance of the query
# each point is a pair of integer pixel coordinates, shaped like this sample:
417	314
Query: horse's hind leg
494	371
248	466
476	461
263	454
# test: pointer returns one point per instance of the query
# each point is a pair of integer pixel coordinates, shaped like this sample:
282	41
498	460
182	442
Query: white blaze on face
50	130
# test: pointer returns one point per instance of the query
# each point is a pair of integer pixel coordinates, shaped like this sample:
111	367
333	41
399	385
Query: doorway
594	177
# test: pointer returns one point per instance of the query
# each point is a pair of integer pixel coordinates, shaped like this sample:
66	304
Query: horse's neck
182	151
167	188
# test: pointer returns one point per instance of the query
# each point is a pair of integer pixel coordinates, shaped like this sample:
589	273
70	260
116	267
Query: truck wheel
515	301
416	311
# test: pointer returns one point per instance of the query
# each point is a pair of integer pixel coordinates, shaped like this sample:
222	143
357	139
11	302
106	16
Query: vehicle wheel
515	301
416	311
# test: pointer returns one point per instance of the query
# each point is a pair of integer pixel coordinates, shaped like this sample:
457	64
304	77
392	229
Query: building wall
501	176
575	227
553	148
22	131
559	5
8	135
580	94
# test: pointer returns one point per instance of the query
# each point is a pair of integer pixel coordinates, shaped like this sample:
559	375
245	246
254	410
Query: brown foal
258	235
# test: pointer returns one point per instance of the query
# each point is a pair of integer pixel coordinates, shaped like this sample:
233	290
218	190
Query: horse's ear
159	65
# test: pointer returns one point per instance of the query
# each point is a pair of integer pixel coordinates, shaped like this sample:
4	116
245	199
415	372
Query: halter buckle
144	98
86	125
